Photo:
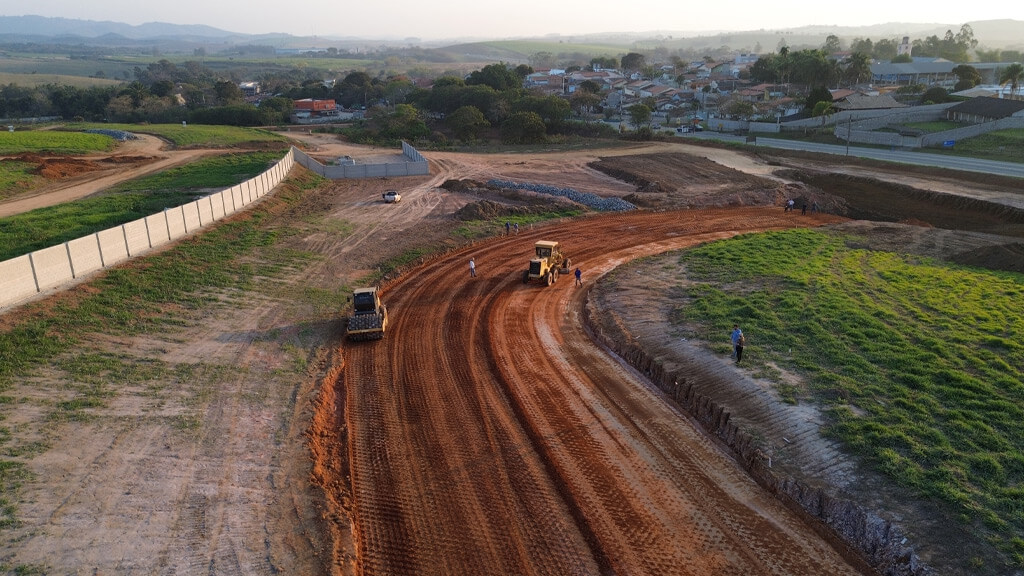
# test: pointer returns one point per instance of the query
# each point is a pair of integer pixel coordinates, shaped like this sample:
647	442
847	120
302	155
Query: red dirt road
487	434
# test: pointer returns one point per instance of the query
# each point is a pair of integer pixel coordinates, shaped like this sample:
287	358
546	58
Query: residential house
856	101
308	108
985	109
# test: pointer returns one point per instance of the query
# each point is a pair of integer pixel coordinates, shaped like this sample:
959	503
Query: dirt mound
123	159
56	168
489	209
1008	257
462	185
60	167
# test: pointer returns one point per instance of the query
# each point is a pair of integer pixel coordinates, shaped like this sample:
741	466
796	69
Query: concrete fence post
127	248
184	220
32	264
99	245
71	262
167	222
149	237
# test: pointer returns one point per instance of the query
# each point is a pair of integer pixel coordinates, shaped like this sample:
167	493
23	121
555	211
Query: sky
426	20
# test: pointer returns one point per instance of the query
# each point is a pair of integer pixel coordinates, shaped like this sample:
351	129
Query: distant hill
991	34
44	27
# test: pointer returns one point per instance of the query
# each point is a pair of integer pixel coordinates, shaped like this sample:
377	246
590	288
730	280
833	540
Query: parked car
392	196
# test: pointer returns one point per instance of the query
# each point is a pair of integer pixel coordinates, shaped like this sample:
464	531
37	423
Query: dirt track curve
487	434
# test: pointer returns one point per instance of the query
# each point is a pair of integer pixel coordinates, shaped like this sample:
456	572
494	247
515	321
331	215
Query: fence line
31	274
414	165
26	276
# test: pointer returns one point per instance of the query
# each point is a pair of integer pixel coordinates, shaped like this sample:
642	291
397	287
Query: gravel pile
586	198
119	135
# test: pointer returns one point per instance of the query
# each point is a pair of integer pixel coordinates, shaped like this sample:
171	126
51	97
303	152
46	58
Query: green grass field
918	364
1004	145
34	80
128	201
17	177
933	126
526	48
195	135
54	141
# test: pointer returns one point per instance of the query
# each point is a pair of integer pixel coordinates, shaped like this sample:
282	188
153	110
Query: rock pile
586	198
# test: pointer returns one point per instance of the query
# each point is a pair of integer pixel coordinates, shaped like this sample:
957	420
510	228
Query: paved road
900	156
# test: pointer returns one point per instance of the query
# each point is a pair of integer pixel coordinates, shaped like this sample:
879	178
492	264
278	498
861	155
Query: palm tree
858	67
1013	75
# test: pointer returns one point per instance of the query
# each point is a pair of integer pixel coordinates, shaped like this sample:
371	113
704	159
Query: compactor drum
369	318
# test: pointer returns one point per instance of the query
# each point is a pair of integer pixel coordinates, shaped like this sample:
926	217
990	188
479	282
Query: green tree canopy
968	77
1011	76
816	95
227	92
498	76
832	44
639	115
953	47
401	123
553	110
583	102
857	68
934	95
523	128
633	62
467	123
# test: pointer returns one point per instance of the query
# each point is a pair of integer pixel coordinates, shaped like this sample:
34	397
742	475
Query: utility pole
849	127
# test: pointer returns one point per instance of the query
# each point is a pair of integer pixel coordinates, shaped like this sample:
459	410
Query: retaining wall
23	277
879	542
415	165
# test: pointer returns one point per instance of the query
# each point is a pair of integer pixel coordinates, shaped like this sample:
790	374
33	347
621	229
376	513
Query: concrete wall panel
205	211
239	196
16	280
217	205
175	223
52	266
112	247
157	229
191	212
136	237
85	255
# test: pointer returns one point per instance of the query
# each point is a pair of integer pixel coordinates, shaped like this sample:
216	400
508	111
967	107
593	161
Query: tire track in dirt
489	436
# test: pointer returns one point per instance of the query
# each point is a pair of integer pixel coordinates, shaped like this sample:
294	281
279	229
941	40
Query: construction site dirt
492	430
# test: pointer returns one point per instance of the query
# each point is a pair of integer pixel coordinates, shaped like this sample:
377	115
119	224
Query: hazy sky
429	20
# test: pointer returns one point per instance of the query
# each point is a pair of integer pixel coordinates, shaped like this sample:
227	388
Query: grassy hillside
918	364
